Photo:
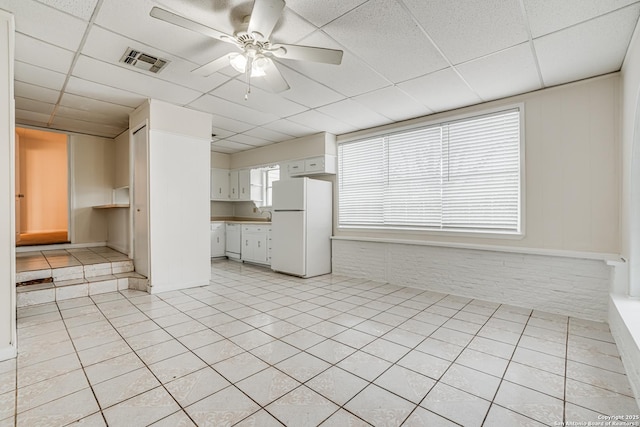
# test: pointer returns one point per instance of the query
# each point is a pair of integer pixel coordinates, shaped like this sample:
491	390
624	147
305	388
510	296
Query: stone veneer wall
563	285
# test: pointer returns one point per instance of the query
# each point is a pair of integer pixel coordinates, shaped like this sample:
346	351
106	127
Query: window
262	184
461	175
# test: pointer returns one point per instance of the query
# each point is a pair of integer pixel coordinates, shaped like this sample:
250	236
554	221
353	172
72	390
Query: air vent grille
143	61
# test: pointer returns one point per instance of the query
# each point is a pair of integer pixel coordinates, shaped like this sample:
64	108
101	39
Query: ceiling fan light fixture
258	66
238	61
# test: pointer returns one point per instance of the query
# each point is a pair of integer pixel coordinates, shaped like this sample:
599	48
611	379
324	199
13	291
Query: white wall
7	191
179	207
93	171
624	313
561	285
571	170
571	187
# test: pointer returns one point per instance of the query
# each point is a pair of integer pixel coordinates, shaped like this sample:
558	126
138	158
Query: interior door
141	201
18	194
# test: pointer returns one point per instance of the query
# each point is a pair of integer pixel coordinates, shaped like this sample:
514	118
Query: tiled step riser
83	289
79	281
77	272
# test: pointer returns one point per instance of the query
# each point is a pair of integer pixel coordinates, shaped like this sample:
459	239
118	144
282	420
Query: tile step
75	288
86	271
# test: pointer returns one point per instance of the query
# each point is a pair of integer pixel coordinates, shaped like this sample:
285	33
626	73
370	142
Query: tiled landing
73	273
256	348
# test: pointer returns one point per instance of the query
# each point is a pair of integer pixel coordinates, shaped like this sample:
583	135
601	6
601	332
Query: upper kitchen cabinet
219	184
240	184
243	184
319	165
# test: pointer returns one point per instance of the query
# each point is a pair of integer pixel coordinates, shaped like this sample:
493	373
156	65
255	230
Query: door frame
70	179
141	127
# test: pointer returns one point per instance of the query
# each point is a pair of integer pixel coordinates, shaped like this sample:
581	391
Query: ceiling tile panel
589	49
291	28
441	91
90	128
94	105
321	13
384	35
393	103
38	76
547	16
232	145
31	118
248	140
267	134
288	127
82	9
225	150
225	125
321	122
339	77
465	31
509	72
355	114
41	54
137	82
260	100
110	94
224	108
37	93
303	90
99	119
35	106
45	23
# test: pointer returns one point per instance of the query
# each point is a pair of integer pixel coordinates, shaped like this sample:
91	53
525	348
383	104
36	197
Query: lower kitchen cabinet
255	246
218	245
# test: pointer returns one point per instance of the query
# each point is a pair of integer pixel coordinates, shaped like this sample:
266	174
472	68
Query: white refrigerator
301	227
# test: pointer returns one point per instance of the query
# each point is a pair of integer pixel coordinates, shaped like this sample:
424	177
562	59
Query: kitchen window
459	175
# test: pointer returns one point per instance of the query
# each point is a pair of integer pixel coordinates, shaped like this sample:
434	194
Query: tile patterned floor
257	348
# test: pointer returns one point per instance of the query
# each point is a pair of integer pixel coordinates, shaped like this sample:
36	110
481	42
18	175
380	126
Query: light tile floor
256	348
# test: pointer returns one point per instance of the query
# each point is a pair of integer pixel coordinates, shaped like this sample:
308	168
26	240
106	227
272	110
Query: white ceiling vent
143	61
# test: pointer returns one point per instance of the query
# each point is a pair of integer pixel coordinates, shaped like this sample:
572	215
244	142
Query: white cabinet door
244	184
219	184
218	247
254	244
234	185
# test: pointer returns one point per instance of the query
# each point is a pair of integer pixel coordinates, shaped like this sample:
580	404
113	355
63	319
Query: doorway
42	187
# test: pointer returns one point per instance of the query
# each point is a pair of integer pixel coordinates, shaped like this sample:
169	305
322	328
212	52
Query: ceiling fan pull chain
248	76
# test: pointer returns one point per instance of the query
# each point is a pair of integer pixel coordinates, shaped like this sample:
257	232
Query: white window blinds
461	175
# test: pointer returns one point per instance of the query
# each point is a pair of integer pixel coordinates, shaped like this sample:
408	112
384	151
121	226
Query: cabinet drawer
314	165
296	167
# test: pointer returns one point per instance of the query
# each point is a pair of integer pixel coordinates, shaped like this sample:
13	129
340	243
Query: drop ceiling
402	59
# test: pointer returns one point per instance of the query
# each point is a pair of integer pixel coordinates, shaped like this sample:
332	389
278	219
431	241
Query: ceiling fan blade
180	21
306	53
274	78
264	17
216	65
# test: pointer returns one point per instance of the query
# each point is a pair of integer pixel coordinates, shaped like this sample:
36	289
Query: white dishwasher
233	241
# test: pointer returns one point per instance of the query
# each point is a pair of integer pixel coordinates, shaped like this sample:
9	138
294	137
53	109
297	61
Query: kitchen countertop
240	220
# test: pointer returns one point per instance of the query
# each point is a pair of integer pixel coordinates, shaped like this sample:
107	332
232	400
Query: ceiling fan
256	51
